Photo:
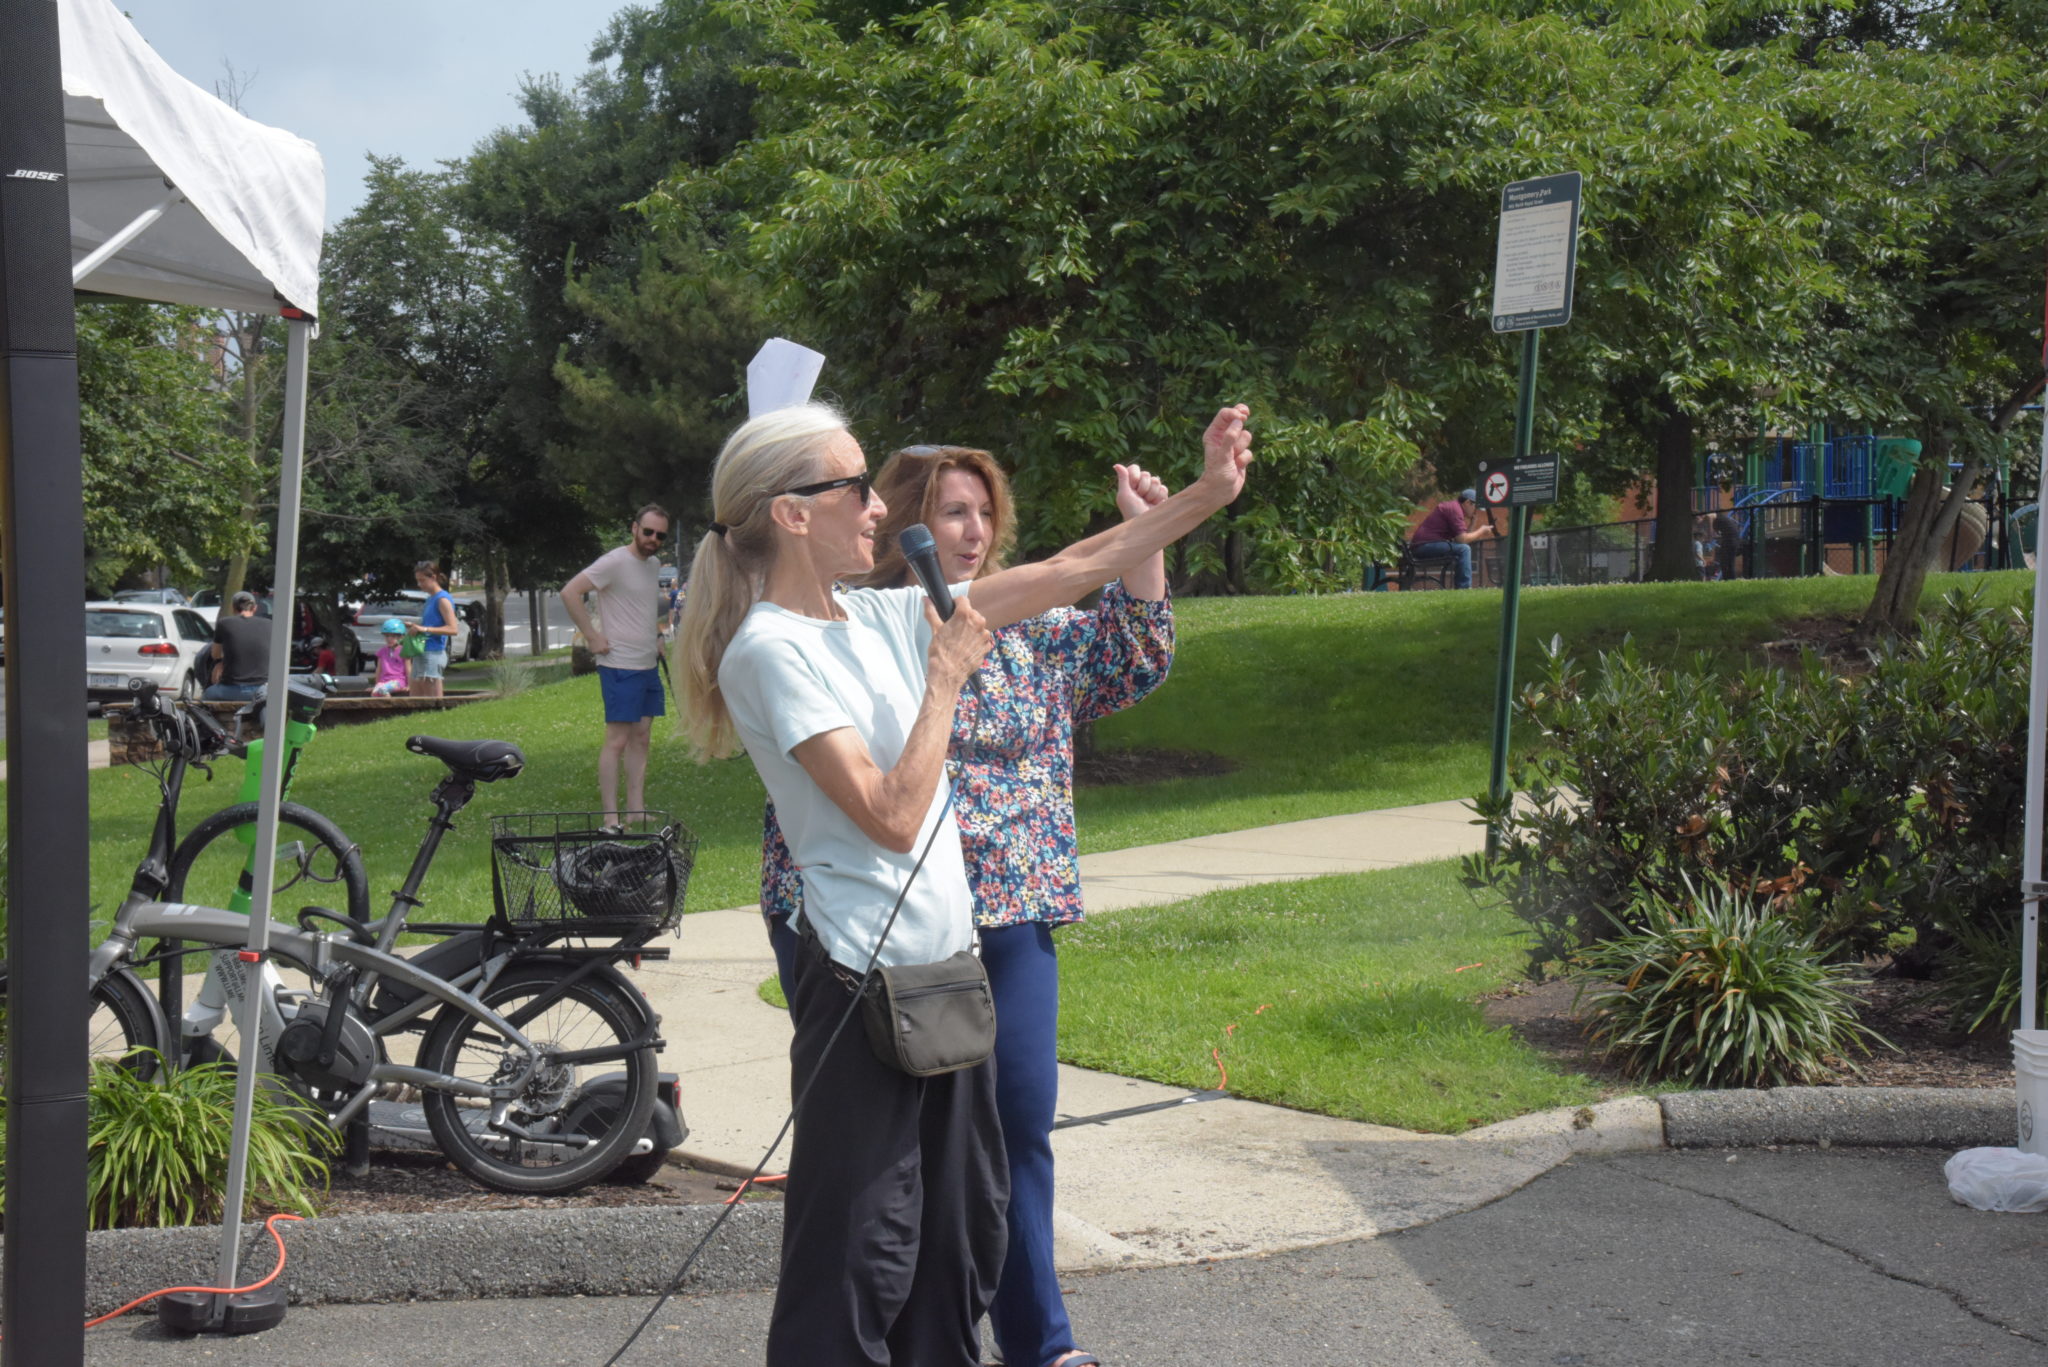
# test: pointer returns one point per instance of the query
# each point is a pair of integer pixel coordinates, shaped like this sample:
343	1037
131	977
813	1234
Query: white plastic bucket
2030	1077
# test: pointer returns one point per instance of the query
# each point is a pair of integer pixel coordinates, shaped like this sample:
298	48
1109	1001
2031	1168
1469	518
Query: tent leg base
212	1312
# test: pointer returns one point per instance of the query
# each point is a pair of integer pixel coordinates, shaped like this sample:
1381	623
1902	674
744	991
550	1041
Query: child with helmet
392	678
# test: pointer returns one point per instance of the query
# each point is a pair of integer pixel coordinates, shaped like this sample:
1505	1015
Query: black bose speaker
42	1279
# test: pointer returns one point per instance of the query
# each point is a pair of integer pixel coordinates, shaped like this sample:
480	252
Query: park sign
1519	482
1537	253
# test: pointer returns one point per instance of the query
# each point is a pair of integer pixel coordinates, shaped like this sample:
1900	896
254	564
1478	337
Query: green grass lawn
1352	996
1326	705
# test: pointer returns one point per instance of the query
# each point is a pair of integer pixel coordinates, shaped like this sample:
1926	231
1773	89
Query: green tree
161	484
630	354
428	368
1066	231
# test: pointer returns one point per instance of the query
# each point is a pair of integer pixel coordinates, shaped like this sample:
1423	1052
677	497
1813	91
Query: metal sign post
1535	260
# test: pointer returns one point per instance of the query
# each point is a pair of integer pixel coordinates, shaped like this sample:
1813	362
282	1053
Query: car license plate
103	681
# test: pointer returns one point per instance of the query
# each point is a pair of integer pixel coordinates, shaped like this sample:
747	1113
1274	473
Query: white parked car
153	641
406	606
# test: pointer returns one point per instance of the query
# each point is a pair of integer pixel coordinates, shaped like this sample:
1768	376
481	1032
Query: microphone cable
867	975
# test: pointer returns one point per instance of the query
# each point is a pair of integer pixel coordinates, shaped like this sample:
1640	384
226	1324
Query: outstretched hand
1227	451
1137	489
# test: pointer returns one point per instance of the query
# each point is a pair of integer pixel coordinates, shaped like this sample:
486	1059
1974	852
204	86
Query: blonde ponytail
763	458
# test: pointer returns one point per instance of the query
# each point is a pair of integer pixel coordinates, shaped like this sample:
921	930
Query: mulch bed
1832	638
425	1184
1930	1051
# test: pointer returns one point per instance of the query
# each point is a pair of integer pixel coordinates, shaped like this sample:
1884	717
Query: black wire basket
562	873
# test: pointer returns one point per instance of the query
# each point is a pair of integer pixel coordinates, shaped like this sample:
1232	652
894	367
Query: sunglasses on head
861	481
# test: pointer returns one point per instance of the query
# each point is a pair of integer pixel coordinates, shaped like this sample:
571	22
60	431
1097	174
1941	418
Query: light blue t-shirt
786	678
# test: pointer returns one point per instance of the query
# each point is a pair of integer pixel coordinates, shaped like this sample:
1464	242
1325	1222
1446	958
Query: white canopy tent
177	198
174	196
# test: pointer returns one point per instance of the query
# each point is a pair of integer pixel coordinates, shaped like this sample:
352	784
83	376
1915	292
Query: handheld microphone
921	553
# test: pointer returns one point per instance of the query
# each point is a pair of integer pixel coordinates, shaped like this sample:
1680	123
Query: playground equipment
1798	503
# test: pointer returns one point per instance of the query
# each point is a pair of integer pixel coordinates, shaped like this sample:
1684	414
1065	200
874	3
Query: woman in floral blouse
1013	752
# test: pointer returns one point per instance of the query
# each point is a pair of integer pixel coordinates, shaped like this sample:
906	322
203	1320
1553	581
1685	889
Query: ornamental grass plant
157	1147
1717	990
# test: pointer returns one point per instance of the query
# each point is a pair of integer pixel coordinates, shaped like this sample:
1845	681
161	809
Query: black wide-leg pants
893	1233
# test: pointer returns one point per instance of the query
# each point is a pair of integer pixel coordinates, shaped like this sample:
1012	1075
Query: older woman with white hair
893	1234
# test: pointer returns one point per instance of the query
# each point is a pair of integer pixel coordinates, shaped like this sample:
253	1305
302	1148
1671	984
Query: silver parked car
153	641
406	605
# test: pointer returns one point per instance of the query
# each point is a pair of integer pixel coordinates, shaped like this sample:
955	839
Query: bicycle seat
486	761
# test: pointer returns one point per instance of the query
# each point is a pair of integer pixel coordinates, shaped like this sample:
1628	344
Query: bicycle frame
346	968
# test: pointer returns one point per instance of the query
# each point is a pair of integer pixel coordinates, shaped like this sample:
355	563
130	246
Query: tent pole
2037	764
284	608
42	502
101	254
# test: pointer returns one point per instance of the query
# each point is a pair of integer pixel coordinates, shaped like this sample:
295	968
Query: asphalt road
1813	1258
519	626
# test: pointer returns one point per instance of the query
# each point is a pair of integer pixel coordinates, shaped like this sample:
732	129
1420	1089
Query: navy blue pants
1028	1314
1460	551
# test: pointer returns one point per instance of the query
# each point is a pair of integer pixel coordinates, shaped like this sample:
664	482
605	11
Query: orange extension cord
269	1226
755	1182
1222	1073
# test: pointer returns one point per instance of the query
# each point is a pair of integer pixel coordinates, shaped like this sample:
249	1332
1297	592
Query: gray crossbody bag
928	1019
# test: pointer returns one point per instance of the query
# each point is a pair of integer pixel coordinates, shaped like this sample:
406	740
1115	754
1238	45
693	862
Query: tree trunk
1234	562
1673	558
1925	524
249	342
496	586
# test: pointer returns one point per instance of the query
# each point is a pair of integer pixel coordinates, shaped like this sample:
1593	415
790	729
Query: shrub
157	1150
1881	810
1718	990
510	678
1980	973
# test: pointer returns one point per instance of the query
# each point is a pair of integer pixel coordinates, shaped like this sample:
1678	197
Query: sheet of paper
781	375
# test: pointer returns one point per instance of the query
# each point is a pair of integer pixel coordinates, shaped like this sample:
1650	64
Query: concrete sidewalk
1223	1177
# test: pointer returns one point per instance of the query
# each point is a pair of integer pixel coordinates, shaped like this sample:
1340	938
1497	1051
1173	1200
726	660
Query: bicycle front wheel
563	1149
317	865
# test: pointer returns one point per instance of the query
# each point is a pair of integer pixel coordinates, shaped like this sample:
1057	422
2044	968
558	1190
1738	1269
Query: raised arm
1137	492
890	805
1012	595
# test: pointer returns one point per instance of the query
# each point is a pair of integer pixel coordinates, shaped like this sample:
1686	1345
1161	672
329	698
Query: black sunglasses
861	480
649	531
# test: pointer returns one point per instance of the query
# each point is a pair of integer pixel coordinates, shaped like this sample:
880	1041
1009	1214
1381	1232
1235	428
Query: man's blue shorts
630	695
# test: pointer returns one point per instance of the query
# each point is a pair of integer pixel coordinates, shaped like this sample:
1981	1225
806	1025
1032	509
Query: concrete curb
1901	1117
476	1256
636	1249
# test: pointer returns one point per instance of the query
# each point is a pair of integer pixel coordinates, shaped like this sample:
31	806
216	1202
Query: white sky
421	79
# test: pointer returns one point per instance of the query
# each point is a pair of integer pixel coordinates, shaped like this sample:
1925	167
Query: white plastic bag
1999	1179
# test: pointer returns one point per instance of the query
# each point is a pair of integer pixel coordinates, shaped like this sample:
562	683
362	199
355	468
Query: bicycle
527	1005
